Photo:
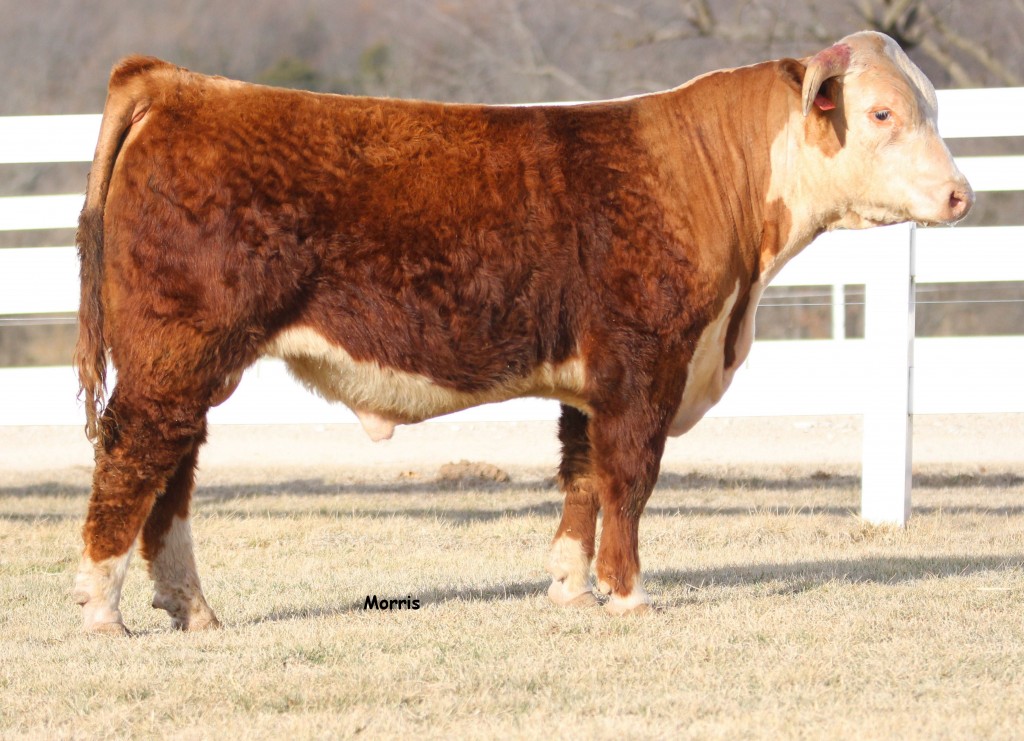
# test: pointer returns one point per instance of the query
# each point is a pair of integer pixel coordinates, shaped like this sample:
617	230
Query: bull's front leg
627	451
572	549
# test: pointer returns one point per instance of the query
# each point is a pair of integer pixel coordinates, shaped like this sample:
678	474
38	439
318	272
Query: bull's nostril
960	202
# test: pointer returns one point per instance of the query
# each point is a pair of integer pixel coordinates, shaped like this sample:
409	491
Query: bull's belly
383	397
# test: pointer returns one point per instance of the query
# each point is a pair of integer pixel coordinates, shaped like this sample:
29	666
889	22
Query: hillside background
57	55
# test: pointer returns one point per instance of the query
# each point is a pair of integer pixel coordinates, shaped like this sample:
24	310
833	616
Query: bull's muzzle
961	199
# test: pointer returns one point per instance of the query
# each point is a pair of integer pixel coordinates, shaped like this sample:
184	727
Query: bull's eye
882	115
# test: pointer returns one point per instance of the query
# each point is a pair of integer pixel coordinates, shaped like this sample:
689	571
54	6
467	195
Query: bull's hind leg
627	457
573	546
167	548
143	442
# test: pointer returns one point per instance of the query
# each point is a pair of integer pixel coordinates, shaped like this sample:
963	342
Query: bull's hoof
197	621
635	603
186	616
98	618
108	629
619	608
562	596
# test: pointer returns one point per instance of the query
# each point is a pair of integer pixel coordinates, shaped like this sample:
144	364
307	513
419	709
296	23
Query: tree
957	44
915	24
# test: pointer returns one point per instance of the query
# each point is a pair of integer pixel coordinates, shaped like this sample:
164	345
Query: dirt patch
471	472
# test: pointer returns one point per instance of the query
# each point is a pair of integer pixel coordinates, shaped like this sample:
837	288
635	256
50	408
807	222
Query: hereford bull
409	259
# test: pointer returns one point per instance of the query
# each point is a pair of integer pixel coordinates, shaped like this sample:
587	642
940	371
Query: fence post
889	343
838	311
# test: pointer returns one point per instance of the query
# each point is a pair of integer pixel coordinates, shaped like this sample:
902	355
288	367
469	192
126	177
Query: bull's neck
712	140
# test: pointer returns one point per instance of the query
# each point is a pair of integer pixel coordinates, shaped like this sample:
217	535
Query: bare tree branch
867	12
660	36
914	23
899	19
535	61
897	11
976	51
956	70
728	33
617	9
527	58
699	16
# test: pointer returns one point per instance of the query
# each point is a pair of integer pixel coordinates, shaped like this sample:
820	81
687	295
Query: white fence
885	376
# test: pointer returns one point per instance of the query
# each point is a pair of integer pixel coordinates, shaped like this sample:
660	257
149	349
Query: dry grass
782	615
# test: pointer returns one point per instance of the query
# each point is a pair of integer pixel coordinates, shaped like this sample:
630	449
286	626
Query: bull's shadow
789	578
427	598
692	481
807	575
758	491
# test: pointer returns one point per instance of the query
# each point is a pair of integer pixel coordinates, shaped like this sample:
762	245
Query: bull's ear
832	62
792	73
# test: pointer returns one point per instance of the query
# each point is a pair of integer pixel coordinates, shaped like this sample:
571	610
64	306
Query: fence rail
839	376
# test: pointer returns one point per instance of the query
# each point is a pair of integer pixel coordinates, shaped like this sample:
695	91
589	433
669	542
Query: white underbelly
384	397
707	376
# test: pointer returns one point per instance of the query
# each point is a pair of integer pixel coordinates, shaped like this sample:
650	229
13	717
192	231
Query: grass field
782	615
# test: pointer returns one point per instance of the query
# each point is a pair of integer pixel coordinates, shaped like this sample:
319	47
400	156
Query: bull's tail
127	103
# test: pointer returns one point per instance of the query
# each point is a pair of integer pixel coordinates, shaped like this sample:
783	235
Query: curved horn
831	62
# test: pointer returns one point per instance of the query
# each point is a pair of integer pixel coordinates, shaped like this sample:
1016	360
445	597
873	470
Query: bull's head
886	162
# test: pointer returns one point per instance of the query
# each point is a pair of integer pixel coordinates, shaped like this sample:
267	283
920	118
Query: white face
902	167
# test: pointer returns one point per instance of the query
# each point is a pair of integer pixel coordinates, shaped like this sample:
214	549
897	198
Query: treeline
57	53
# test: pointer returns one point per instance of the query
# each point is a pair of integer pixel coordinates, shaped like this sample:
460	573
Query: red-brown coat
410	258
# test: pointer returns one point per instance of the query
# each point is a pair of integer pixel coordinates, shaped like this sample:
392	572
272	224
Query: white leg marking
635	602
570	567
176	581
98	590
